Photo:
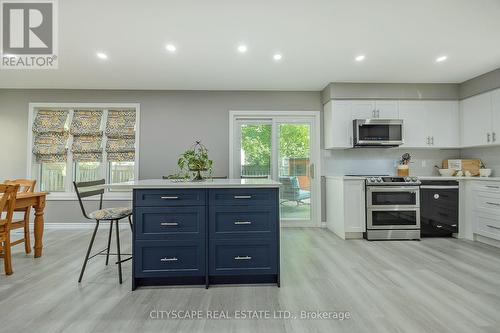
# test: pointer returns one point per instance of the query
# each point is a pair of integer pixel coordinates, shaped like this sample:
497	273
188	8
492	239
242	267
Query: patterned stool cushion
114	213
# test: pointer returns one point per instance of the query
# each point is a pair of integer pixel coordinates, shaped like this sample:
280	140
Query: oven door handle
393	189
439	187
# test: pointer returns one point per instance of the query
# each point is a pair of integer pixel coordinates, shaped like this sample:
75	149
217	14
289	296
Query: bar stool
93	188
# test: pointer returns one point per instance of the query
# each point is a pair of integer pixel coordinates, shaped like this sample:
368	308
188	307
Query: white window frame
70	194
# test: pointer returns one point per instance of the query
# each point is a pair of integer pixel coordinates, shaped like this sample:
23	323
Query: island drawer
243	221
247	197
170	222
170	197
242	257
169	258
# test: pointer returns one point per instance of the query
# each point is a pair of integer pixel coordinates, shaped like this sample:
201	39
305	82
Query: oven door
392	196
378	132
394	218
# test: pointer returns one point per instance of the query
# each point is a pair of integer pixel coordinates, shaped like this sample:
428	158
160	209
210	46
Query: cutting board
472	166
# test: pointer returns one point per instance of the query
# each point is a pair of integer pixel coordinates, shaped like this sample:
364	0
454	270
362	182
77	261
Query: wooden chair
7	203
93	188
25	185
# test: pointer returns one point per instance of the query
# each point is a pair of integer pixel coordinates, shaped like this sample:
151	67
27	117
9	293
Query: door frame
315	116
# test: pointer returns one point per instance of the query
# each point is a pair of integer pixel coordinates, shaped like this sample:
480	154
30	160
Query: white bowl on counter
447	172
484	172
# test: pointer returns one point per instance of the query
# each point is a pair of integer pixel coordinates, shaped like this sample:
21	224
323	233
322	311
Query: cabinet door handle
494	204
170	197
168	259
373	113
242	258
378	113
488	137
432	140
439	226
492	186
243	197
494	136
453	225
242	222
428	140
492	226
169	224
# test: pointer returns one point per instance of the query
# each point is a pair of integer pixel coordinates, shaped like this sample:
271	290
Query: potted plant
194	159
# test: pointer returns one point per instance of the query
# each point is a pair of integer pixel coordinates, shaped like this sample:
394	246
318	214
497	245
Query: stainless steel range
392	208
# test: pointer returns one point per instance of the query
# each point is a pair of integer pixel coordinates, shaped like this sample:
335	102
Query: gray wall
480	84
170	122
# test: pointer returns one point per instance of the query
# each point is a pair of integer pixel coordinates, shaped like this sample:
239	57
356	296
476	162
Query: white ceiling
318	39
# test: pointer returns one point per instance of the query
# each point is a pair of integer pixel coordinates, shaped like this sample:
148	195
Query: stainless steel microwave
377	132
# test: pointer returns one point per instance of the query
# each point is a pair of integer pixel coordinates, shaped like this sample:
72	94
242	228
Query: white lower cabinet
345	207
485	210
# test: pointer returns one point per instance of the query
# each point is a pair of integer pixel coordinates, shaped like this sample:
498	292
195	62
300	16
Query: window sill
108	196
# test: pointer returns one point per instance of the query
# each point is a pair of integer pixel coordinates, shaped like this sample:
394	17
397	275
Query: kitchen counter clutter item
205	232
447	172
485	172
404	165
468	167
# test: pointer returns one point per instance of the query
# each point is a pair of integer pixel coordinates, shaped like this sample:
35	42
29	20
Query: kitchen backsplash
489	155
384	161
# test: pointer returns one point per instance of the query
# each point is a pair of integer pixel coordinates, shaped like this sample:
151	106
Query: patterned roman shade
87	136
51	136
120	132
86	122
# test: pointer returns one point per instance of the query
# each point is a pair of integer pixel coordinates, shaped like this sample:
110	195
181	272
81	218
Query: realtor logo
29	34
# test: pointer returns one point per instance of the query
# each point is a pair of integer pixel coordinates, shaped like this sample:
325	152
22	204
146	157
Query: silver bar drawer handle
169	224
170	198
493	204
243	197
242	222
242	258
453	225
439	226
169	259
492	186
492	226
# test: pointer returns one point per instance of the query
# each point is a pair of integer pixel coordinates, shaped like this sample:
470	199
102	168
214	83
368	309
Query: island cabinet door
169	258
175	223
170	197
242	222
242	257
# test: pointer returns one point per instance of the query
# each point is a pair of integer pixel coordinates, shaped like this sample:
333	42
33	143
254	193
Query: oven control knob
379	180
436	196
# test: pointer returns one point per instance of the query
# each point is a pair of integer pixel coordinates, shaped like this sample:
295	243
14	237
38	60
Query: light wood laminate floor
436	285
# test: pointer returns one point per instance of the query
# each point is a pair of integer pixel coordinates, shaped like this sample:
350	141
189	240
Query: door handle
243	197
242	222
169	224
168	259
242	258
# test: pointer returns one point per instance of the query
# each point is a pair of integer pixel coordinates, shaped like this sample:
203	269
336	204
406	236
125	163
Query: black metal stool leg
88	251
118	252
130	222
109	241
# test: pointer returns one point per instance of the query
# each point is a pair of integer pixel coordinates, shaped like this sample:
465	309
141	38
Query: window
82	142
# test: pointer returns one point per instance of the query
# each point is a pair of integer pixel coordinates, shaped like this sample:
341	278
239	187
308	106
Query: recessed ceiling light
277	56
361	57
171	48
441	58
101	55
242	48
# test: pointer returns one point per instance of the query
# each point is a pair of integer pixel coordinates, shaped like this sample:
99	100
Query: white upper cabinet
495	103
430	124
337	124
363	109
443	121
414	115
476	113
387	109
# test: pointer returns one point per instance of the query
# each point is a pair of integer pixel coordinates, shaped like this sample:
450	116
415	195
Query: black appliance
439	200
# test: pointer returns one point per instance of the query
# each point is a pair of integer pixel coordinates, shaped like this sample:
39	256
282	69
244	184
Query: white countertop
494	179
209	183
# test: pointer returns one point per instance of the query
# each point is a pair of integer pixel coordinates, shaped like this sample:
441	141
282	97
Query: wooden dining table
37	201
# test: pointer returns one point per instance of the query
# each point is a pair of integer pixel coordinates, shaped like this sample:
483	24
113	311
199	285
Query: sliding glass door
281	148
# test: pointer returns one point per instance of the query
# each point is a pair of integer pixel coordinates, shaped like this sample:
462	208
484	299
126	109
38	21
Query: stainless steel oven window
414	212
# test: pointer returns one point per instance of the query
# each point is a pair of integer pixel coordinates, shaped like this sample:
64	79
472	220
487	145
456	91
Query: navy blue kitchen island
212	232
